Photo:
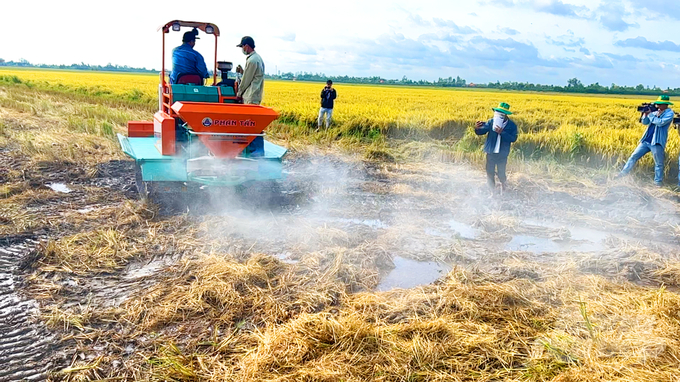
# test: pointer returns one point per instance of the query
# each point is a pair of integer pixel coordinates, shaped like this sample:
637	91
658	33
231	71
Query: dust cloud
410	224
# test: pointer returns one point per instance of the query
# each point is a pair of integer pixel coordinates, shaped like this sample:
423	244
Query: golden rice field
585	127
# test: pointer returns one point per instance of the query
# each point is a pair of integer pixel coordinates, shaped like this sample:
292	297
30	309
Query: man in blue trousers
655	138
501	132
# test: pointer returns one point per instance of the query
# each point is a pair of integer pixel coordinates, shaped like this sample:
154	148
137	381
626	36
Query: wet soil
27	347
404	224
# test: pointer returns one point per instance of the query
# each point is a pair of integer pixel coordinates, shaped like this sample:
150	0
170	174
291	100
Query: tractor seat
189	79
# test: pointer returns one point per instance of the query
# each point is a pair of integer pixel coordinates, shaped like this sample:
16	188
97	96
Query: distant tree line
82	66
574	85
320	77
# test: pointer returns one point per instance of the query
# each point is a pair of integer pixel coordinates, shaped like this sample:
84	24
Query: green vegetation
82	66
574	85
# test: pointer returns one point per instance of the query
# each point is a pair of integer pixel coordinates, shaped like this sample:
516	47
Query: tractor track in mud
25	343
29	350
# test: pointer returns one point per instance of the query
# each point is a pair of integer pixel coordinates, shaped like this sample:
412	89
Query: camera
676	119
647	107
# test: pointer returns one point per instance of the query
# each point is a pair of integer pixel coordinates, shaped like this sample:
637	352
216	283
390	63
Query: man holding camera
328	95
658	118
501	133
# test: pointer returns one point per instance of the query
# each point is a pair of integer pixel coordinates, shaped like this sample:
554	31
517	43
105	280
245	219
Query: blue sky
546	41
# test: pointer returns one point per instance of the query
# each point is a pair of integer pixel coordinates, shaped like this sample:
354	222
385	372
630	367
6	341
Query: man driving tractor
188	62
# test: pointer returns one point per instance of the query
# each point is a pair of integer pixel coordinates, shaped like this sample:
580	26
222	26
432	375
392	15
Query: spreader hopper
225	129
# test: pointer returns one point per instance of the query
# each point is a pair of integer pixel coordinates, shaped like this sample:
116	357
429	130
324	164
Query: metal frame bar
221	159
215	63
163	64
192	24
228	134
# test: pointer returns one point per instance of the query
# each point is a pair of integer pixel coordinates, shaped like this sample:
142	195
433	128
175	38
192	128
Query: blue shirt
185	60
649	134
661	122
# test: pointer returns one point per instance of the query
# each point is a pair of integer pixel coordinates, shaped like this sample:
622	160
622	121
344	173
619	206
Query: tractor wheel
261	194
174	197
169	196
142	186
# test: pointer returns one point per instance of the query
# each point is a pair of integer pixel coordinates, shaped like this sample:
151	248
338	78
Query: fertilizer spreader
201	136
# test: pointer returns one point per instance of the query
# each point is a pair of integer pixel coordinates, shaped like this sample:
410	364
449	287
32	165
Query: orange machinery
200	134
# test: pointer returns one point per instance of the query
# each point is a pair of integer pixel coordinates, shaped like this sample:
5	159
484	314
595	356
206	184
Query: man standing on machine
252	84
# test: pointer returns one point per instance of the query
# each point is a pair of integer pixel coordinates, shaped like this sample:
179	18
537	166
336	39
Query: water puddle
588	234
285	257
410	273
59	187
463	230
136	271
580	239
544	245
436	232
372	223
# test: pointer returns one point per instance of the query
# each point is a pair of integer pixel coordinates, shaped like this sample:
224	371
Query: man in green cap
654	139
501	133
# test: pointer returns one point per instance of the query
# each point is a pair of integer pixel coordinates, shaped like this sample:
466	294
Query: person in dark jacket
328	95
502	131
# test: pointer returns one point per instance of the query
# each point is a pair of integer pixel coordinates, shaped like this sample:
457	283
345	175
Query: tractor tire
262	194
170	197
142	186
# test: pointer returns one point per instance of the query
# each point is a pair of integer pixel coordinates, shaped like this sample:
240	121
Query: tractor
201	136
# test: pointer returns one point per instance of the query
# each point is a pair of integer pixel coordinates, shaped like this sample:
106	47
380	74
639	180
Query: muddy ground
396	225
96	284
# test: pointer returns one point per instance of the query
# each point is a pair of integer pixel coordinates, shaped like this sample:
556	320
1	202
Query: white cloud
425	39
290	37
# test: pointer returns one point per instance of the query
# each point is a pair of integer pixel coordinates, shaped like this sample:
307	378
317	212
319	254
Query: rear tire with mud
261	194
170	197
142	188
